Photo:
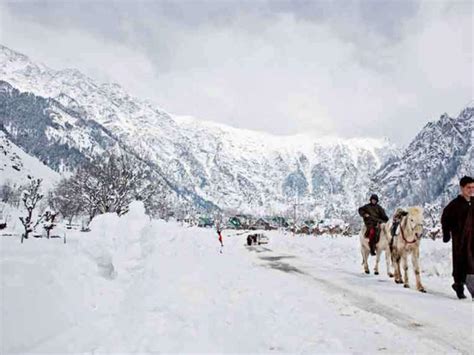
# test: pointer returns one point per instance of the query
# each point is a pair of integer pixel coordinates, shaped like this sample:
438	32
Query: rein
405	239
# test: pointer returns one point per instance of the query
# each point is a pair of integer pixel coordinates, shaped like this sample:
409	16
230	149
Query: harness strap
405	239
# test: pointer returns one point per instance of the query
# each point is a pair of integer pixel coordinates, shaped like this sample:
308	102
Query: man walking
373	214
458	225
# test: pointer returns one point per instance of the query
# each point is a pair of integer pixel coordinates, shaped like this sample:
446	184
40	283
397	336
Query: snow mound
119	244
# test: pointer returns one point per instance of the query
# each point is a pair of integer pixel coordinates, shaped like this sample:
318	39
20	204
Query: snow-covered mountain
58	136
233	168
429	169
62	137
326	175
16	165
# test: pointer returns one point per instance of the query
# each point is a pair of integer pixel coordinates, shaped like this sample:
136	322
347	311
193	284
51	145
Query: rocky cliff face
429	169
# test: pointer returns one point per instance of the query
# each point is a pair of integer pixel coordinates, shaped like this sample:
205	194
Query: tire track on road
368	304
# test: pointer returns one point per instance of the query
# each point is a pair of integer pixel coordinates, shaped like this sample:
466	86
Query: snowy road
159	287
428	318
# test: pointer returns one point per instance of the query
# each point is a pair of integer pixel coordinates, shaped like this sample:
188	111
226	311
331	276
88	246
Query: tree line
108	183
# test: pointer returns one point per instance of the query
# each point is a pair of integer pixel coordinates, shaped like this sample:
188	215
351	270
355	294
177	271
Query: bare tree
49	218
159	202
109	183
64	200
10	194
432	212
6	191
116	181
30	197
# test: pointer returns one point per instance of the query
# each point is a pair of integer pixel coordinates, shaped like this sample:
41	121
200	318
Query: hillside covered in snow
232	168
429	169
63	118
16	165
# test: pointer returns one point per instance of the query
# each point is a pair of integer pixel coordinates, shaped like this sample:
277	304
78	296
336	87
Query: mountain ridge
241	170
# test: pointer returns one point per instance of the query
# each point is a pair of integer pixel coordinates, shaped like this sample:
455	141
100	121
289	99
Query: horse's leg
415	258
377	259
396	265
365	257
388	259
398	277
406	283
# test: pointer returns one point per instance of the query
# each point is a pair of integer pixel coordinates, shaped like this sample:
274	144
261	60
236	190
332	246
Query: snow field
135	285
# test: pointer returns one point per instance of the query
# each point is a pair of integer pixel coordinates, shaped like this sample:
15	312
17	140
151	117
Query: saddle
373	232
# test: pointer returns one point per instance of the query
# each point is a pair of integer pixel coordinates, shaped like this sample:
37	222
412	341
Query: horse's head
413	221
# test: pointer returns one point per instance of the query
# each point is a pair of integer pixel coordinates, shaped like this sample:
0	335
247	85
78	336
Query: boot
459	289
372	247
377	235
372	241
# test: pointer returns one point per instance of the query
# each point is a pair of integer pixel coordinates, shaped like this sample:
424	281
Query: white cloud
60	48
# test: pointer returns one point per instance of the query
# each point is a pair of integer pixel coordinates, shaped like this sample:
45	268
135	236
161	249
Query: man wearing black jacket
373	214
458	225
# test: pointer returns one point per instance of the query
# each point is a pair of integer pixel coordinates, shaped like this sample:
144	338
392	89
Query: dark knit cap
374	197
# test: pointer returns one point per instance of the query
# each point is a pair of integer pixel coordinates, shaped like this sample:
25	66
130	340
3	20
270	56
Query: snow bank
48	286
116	243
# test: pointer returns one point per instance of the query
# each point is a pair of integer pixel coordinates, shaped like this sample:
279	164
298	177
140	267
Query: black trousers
459	267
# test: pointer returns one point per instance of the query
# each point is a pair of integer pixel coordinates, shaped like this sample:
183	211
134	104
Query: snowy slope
135	286
237	169
16	165
428	171
47	129
107	104
60	136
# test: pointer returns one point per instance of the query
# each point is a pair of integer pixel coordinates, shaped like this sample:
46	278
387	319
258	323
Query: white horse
407	242
383	245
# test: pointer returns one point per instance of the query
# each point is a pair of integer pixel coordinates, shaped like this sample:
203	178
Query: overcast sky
345	68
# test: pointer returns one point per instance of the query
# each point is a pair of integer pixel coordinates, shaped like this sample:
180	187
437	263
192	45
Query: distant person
219	237
373	215
458	225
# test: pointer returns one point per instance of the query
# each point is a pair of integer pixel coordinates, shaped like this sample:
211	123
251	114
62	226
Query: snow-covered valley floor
135	286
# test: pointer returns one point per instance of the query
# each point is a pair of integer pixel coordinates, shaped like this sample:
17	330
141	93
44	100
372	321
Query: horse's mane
415	211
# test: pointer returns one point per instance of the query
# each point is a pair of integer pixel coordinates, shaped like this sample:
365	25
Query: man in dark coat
458	225
373	214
